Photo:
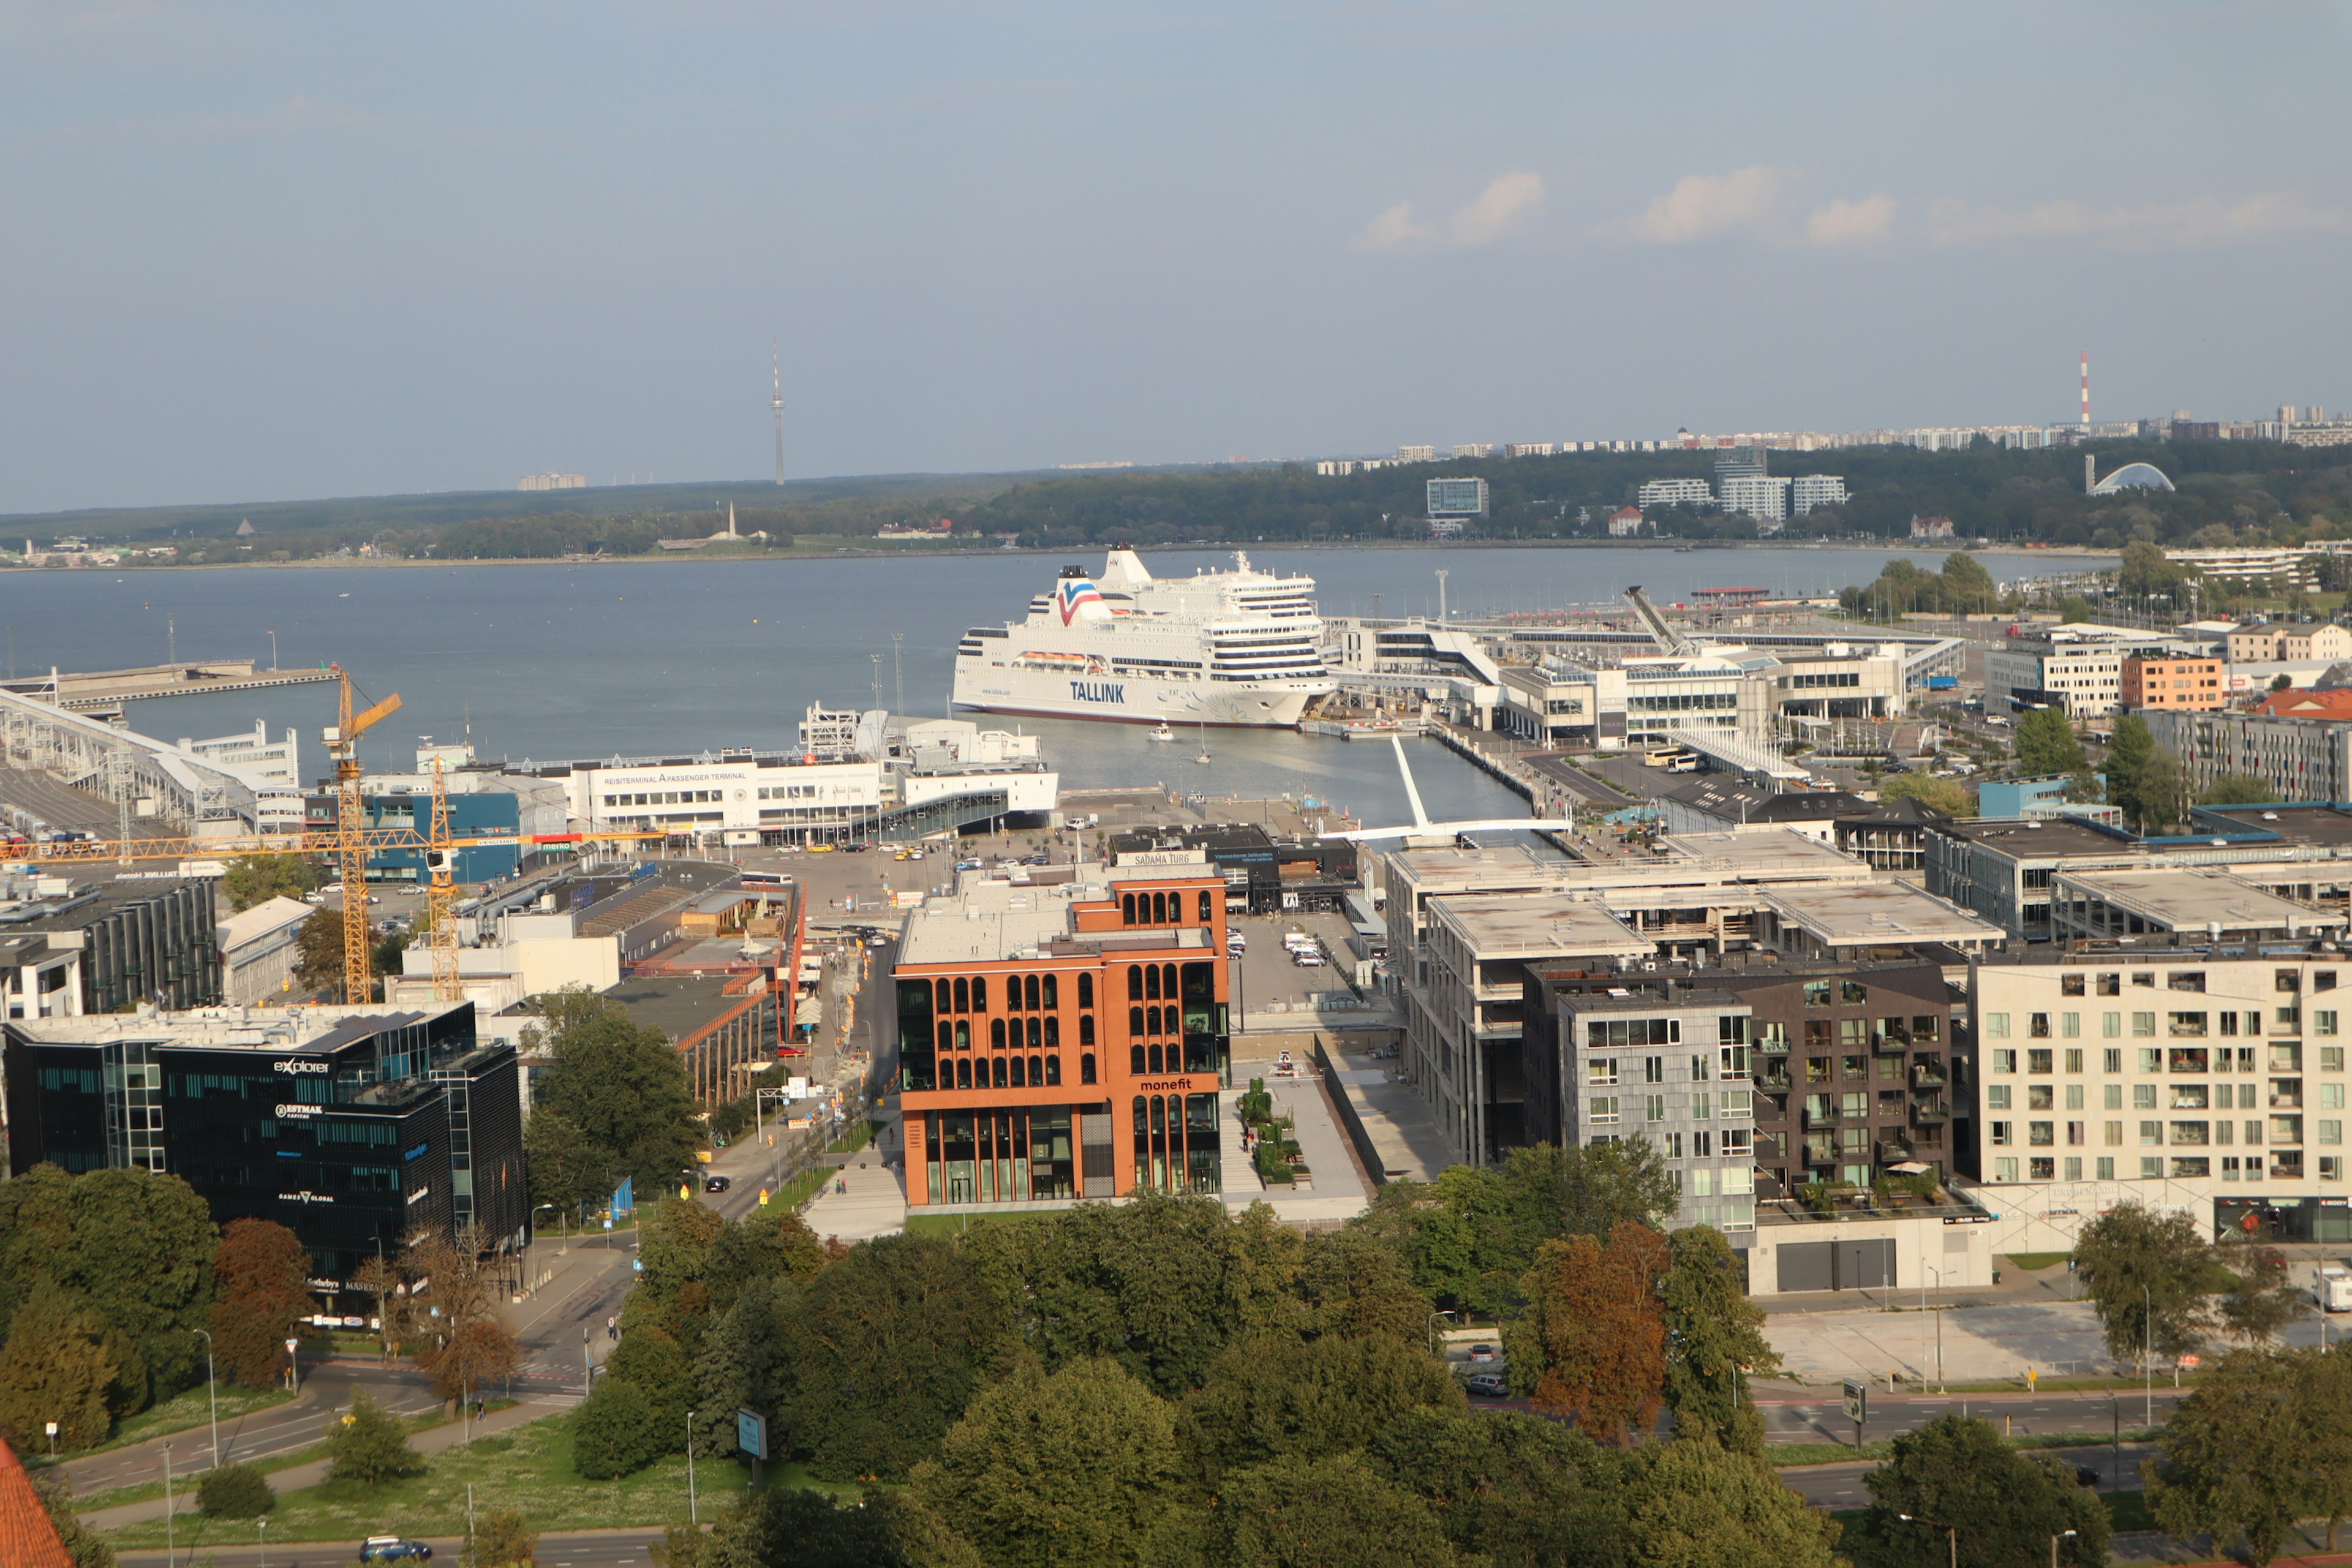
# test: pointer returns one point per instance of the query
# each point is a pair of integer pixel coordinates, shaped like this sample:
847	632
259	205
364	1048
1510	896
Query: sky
259	251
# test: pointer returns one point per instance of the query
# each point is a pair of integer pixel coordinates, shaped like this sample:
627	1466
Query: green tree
615	1433
2323	1389
1046	1471
235	1492
1513	1490
2238	789
1160	1283
263	1276
1967	588
2163	794
2282	681
772	1243
505	1540
55	1367
882	1353
369	1445
1354	1284
2263	1301
1693	1505
654	1361
620	1084
742	1361
2130	751
2005	1505
566	1168
1936	794
1714	1340
253	879
1271	1396
2234	1457
319	952
2145	1275
2146	574
797	1528
2047	745
1333	1512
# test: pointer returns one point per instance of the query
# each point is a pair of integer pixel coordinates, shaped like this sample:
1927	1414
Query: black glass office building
354	1127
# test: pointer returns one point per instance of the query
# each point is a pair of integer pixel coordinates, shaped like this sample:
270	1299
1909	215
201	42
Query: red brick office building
1064	1036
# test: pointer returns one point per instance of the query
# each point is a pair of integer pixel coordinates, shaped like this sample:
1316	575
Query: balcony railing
1778	1082
1929	1113
1773	1046
1894	1041
1926	1078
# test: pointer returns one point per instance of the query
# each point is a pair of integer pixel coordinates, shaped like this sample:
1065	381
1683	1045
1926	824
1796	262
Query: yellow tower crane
350	832
441	896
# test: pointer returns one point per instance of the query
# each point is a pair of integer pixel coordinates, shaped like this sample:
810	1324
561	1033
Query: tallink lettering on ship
1098	691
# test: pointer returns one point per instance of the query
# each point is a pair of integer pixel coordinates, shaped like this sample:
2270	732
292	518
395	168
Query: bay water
553	661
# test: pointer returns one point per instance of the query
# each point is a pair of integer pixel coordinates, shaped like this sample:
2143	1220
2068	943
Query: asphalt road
1840	1485
585	1549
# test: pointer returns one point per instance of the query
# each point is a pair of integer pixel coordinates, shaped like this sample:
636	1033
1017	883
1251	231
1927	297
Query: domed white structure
2130	477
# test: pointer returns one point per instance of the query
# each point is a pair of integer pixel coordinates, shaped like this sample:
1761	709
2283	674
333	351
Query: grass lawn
528	1468
956	1224
1780	1454
2034	1262
177	1413
186	1481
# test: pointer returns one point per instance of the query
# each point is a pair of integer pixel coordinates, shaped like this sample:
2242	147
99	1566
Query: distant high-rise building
1807	492
1760	496
1473	449
555	482
1740	463
1675	492
1416	453
1530	449
1457	498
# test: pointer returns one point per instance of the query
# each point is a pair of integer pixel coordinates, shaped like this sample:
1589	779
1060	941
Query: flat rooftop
1435	870
1857	914
2197	898
1522	925
679	1005
284	1031
2319	824
2040	838
1767	854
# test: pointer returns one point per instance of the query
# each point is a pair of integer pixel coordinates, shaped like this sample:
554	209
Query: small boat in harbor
1203	758
1160	732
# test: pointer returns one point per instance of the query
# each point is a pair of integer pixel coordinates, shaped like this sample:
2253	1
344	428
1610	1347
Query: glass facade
392	1125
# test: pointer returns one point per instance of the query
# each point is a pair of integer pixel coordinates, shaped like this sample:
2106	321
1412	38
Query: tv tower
2086	411
777	405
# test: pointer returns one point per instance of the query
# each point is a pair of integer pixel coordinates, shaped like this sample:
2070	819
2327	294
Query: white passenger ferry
1217	648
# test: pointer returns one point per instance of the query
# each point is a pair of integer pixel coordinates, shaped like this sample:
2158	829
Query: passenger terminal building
1064	1037
352	1127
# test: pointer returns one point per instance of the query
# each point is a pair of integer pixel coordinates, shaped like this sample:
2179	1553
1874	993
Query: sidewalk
432	1440
875	1204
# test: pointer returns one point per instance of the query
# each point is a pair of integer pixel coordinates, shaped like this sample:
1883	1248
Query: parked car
718	1183
1482	1353
968	865
393	1549
1488	1385
2086	1475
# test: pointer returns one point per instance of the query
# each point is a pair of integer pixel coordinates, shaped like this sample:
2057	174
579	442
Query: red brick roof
27	1538
2298	703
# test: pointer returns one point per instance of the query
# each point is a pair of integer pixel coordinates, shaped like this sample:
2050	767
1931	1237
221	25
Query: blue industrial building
494	813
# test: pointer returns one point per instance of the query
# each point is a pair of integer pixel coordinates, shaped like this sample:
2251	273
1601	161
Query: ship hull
1132	699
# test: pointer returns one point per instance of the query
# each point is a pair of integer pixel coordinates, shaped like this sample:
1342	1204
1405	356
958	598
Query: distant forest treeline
2229	492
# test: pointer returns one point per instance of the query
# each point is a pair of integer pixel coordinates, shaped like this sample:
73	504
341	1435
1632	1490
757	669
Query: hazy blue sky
262	250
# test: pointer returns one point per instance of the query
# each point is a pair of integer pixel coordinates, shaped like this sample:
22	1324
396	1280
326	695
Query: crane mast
441	896
350	835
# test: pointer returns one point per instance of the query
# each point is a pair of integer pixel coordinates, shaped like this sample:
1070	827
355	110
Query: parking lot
1271	989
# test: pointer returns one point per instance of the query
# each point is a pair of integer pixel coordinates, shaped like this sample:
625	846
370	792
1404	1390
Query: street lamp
171	1544
696	1519
294	1365
1951	1533
2148	1349
211	1391
261	1544
1939	1325
2062	1535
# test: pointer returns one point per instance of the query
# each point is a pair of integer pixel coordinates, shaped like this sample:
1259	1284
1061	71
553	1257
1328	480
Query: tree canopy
2047	745
2147	1275
620	1089
2005	1505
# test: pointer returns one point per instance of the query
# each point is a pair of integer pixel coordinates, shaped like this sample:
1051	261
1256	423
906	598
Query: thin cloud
2199	225
1839	223
1705	206
1498	212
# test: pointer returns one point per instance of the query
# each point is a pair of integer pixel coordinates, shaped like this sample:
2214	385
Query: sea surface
665	658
